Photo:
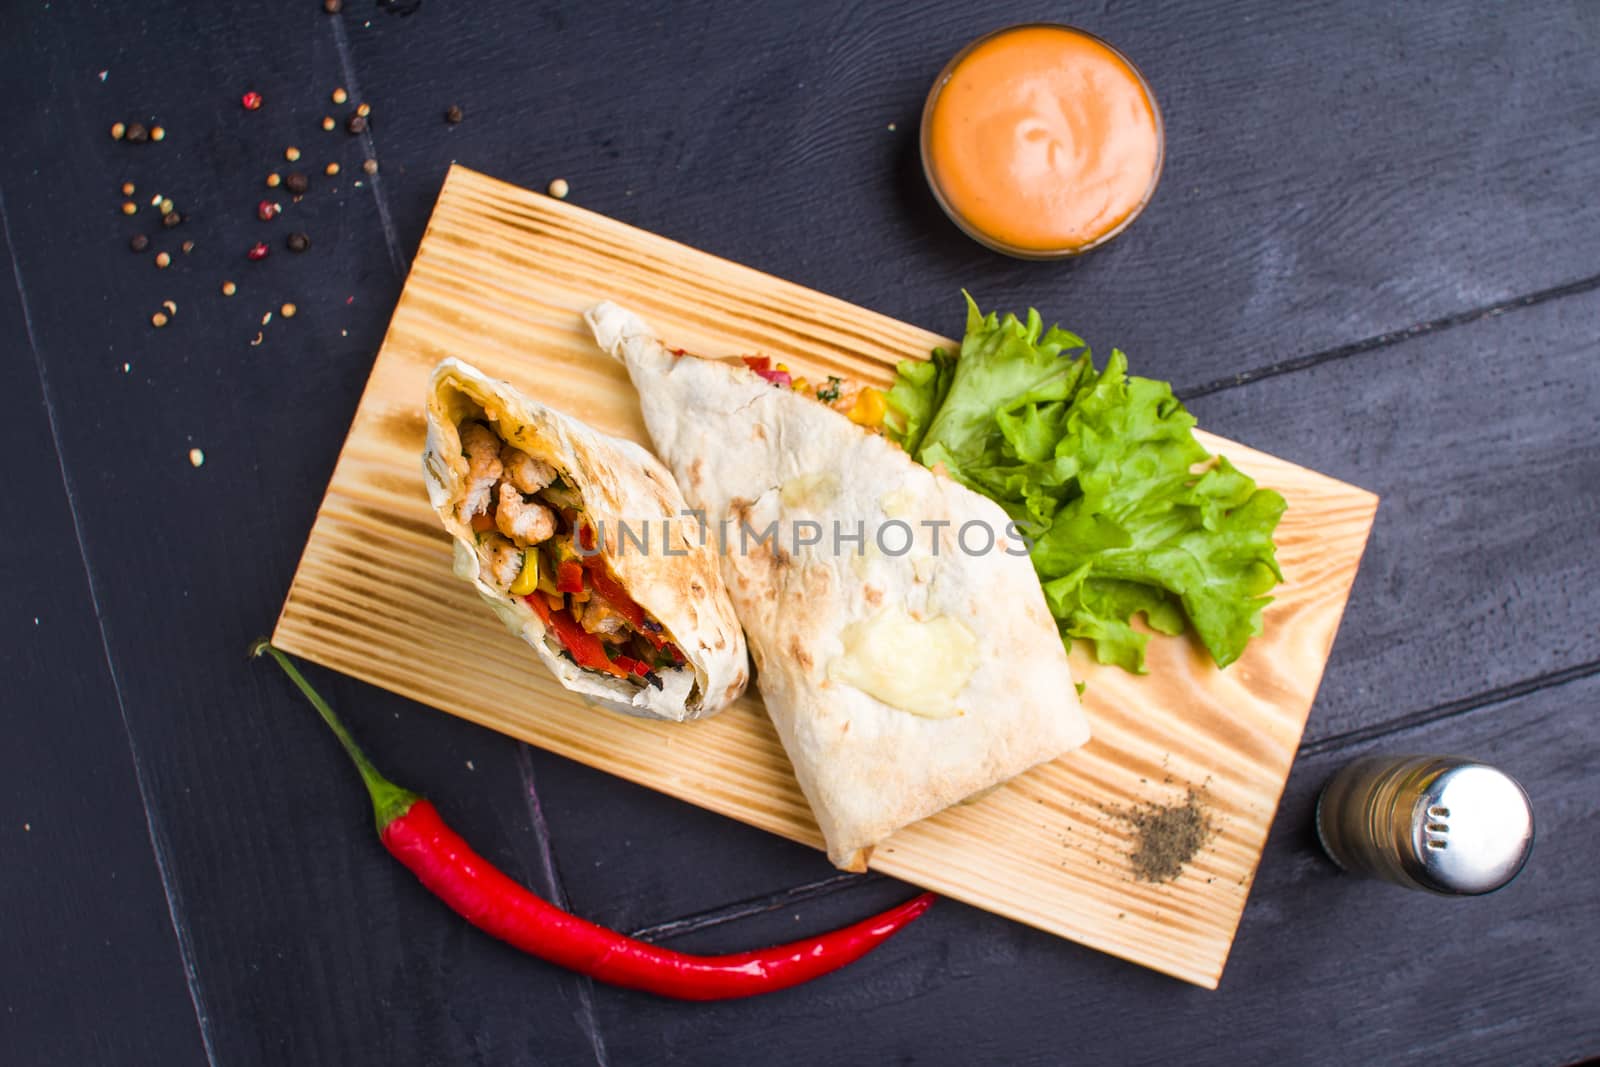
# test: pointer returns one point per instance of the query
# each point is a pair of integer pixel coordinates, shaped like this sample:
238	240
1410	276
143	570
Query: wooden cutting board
499	281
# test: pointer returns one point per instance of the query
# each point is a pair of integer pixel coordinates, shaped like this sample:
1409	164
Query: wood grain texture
1479	574
1332	177
500	279
83	905
1329	177
302	934
1328	970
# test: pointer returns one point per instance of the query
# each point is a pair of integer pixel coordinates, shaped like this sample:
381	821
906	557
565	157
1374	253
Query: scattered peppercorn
158	133
163	260
287	311
356	124
166	205
258	251
197	458
298	242
127	189
291	153
158	320
274	180
453	114
559	188
268	210
187	246
331	169
129	207
363	109
118	129
138	134
296	183
171	219
171	306
333	7
139	242
328	123
340	96
228	288
370	166
251	101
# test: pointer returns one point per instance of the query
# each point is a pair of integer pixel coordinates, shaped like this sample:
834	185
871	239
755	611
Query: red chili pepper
569	576
413	832
586	649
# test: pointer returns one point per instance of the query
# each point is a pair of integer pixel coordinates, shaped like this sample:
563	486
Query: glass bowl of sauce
1041	141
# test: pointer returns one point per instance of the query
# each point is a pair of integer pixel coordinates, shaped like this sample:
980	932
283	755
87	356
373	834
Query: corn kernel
869	408
527	578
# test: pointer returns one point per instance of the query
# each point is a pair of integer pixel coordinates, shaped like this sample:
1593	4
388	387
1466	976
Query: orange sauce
1043	140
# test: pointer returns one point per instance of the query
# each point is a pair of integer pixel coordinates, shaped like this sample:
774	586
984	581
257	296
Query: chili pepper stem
389	801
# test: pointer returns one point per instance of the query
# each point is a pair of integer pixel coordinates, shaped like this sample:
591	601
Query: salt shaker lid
1472	830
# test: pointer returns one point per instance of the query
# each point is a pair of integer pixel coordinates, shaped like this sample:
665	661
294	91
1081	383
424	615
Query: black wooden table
1375	251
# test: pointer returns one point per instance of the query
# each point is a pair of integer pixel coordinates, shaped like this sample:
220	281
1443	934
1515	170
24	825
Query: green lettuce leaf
1129	515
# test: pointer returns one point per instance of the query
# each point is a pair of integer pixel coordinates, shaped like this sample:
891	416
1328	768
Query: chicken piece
502	561
482	449
527	521
526	473
601	619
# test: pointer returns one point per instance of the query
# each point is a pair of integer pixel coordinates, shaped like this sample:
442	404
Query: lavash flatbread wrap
539	506
900	681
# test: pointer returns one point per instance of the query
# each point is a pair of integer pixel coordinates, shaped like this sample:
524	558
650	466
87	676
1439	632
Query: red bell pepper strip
757	363
615	595
415	834
482	523
569	576
587	650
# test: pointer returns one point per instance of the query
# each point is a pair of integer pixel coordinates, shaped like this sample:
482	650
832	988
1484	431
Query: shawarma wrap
541	508
901	680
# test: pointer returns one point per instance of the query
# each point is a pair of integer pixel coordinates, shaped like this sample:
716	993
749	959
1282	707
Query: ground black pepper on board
1168	837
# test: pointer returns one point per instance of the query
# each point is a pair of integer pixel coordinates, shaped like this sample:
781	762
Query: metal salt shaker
1442	823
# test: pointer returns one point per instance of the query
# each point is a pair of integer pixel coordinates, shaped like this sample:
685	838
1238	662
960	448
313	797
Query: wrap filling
534	544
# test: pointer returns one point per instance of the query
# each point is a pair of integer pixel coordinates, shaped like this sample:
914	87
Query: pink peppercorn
251	100
268	210
258	250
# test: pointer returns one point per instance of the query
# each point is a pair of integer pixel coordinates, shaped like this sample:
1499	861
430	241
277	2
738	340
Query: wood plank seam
157	834
1453	708
751	906
556	892
1392	337
391	237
